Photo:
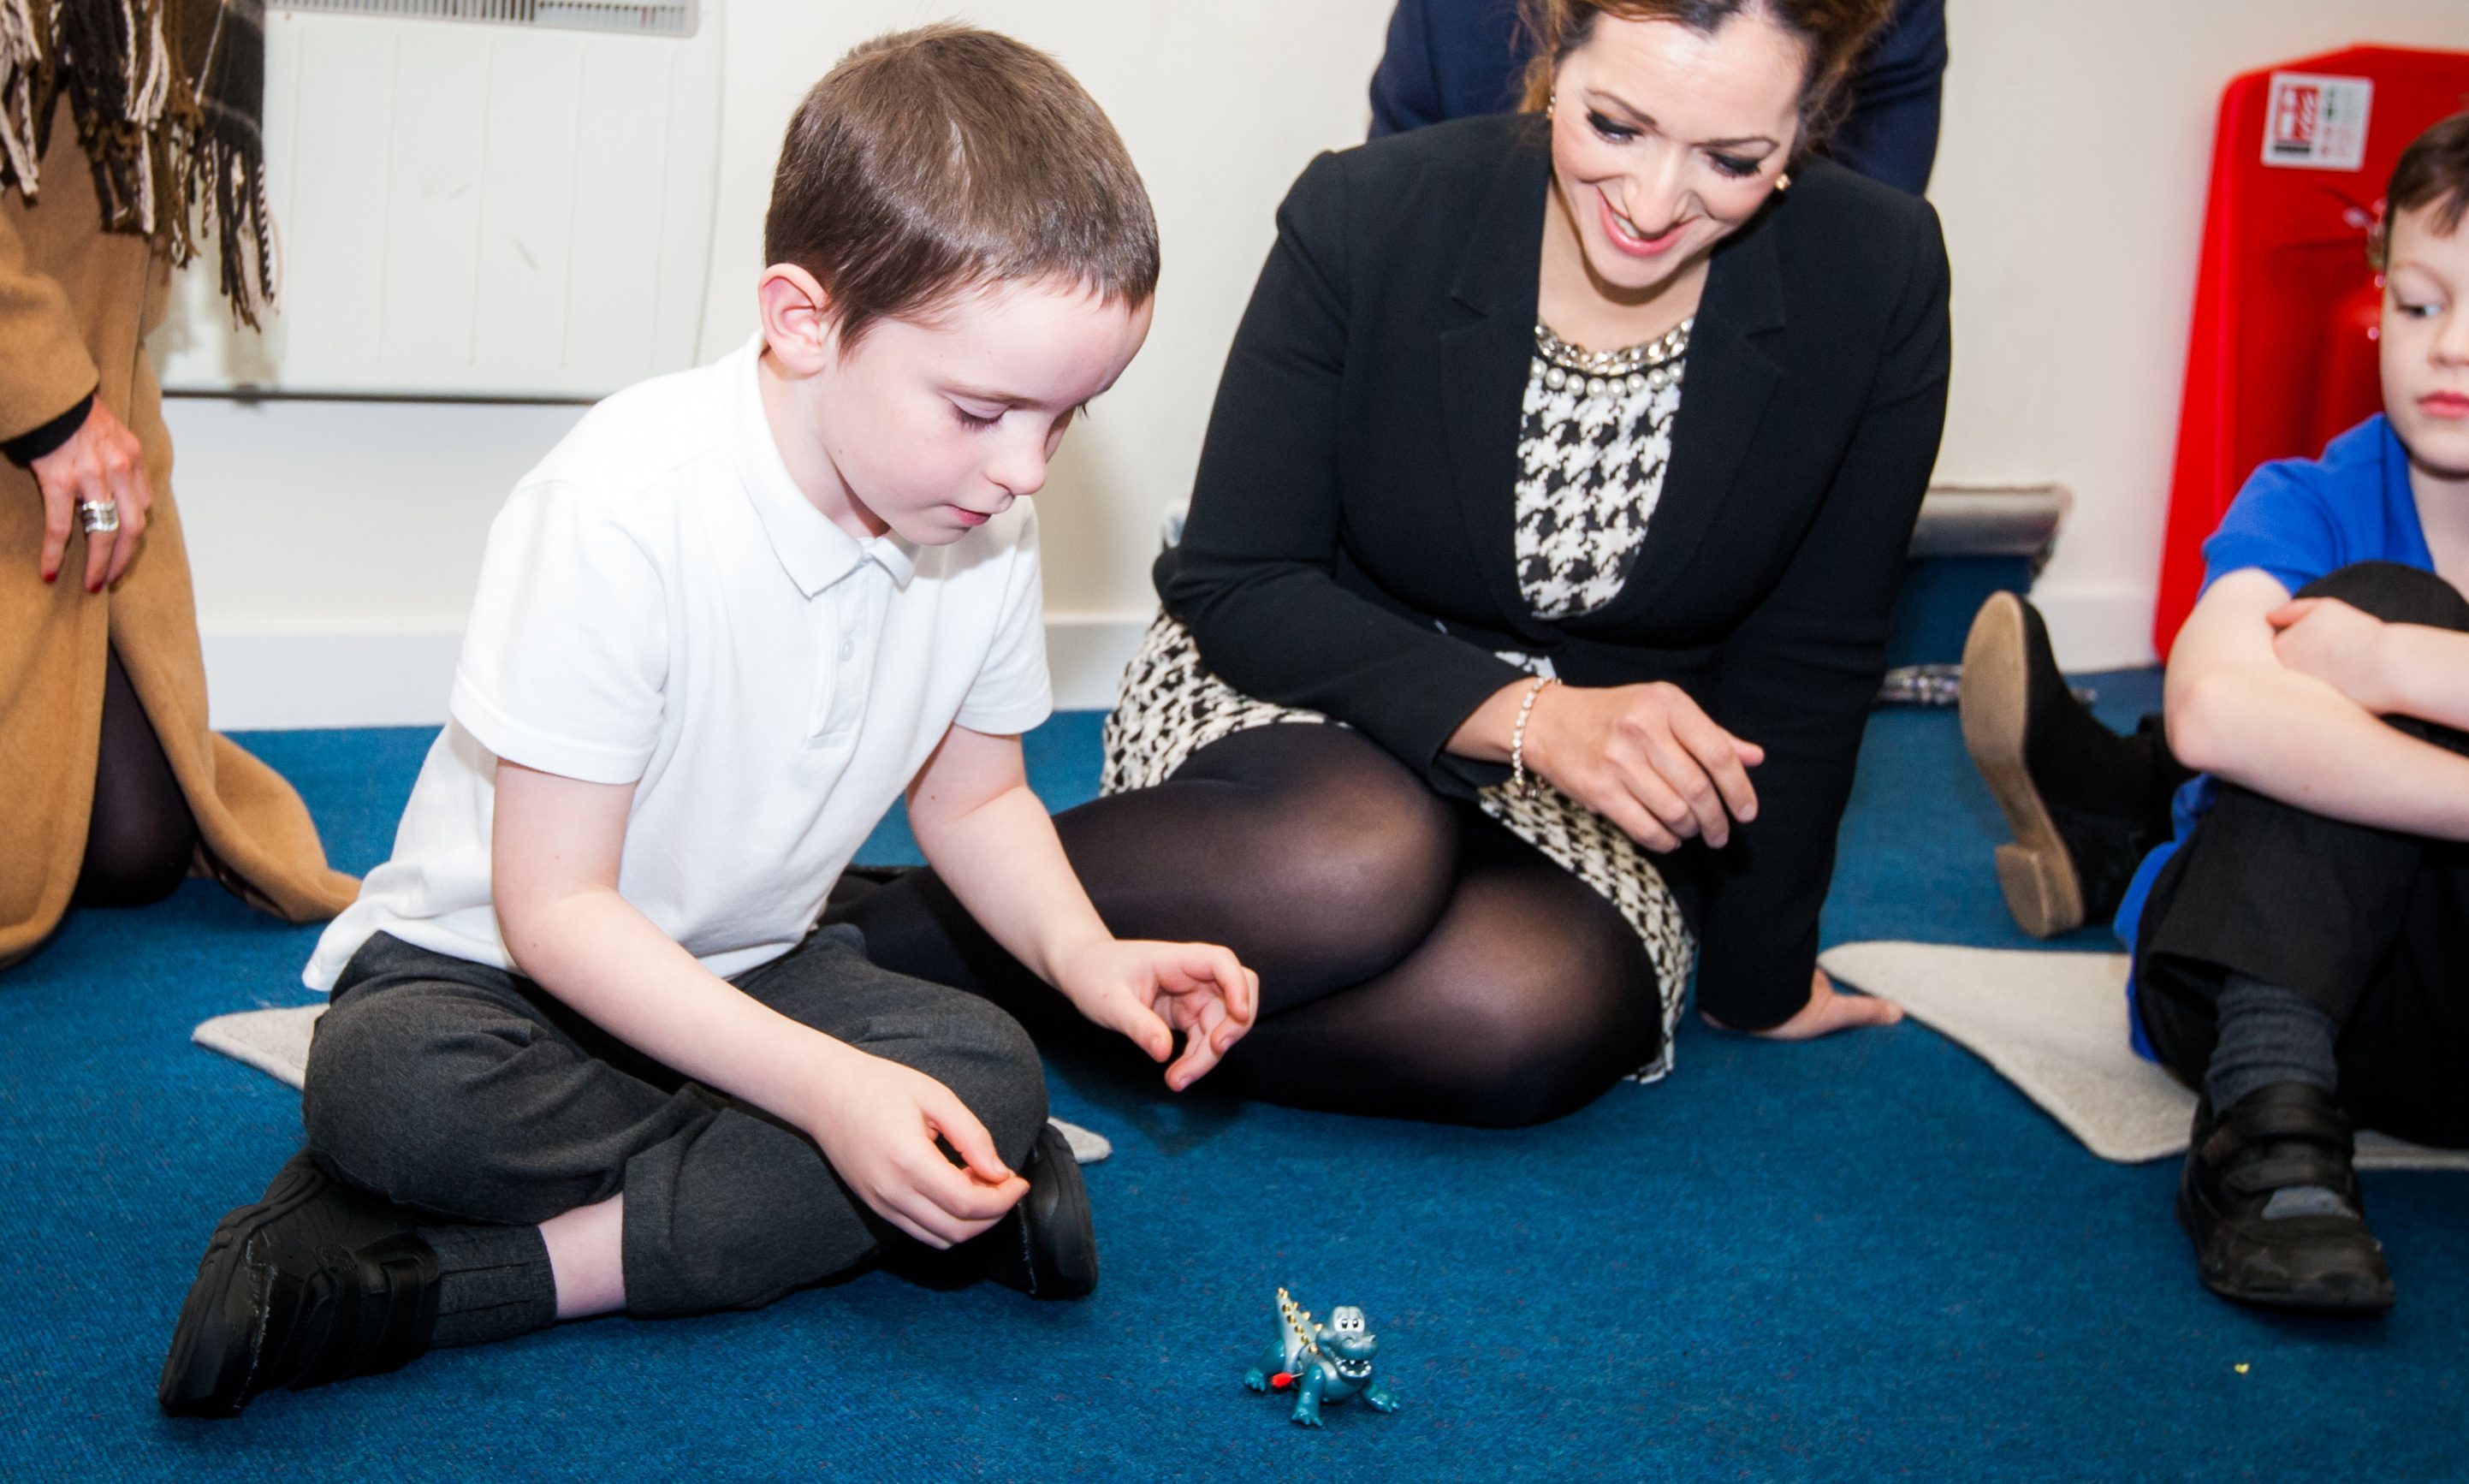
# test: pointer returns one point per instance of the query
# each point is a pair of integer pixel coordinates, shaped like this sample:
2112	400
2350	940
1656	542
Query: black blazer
1349	543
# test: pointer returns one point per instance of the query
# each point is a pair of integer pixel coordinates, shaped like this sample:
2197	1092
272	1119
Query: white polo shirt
659	606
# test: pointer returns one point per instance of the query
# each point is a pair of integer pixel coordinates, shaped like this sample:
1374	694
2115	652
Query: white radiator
487	198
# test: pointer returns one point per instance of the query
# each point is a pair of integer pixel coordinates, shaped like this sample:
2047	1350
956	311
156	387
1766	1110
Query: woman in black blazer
1603	629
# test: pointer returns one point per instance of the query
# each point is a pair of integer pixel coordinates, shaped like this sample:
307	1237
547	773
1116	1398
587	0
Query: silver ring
98	514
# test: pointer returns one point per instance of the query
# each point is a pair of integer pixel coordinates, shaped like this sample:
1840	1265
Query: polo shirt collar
815	552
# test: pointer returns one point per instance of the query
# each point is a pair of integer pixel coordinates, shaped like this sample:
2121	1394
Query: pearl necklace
1655	364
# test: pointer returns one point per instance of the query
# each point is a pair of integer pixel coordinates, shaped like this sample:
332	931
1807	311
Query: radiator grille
644	18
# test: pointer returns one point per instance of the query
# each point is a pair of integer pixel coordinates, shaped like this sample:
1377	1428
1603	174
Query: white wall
290	502
334	547
2071	177
336	543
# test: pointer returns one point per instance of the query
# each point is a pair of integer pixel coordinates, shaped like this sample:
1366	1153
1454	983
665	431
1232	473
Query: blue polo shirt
2297	519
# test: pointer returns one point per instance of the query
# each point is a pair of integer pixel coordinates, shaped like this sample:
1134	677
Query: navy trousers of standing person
474	1094
2370	926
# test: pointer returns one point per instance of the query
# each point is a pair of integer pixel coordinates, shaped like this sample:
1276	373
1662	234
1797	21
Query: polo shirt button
849	647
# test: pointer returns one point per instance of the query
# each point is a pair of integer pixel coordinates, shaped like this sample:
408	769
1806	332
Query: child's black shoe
313	1282
1047	1245
2271	1199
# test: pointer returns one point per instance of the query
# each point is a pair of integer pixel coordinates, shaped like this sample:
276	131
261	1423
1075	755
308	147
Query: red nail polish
50	578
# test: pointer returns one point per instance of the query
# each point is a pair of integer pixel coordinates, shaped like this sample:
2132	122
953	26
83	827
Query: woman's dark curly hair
1833	33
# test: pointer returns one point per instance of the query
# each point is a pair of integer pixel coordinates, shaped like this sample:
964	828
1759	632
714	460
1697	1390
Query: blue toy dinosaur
1330	1363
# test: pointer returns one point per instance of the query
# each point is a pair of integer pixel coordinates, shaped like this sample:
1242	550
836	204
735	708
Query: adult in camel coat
111	787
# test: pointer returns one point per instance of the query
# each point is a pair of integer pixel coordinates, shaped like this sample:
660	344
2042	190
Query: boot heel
2042	889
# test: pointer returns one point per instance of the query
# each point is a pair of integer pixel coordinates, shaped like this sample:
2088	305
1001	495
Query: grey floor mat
2054	1024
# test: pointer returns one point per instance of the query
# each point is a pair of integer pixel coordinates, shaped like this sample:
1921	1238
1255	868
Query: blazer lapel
1484	358
1725	390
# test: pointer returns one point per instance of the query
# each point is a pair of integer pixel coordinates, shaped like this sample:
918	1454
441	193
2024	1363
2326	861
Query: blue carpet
1867	1257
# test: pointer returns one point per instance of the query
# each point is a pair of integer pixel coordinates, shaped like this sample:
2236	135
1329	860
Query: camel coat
76	304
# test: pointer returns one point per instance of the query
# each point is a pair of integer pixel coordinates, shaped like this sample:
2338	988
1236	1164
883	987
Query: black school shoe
2085	804
313	1282
1047	1245
2277	1138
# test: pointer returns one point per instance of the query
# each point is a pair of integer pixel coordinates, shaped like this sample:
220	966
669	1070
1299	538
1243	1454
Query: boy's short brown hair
2433	169
932	162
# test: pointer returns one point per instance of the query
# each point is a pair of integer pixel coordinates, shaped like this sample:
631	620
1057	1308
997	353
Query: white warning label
2316	123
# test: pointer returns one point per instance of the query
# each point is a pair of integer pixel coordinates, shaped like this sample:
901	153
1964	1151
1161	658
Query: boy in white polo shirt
588	1048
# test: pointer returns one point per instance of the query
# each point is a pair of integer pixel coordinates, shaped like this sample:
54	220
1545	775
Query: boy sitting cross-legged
588	1048
2300	927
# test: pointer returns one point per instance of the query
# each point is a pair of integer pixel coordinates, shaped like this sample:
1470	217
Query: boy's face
2426	342
930	429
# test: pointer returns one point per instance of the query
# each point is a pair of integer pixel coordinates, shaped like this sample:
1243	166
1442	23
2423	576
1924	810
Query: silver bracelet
1518	732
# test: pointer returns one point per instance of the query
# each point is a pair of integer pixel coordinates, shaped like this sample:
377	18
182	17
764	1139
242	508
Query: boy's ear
797	321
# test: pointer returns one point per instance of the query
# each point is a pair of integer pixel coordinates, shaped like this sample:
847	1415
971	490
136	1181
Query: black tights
141	837
1416	960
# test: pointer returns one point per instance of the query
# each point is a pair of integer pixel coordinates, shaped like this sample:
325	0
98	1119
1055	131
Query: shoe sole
2341	1303
2035	873
215	1348
1060	1279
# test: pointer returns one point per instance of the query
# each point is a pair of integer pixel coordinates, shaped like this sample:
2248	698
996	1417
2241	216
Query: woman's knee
140	835
1348	852
134	860
2395	594
1539	1034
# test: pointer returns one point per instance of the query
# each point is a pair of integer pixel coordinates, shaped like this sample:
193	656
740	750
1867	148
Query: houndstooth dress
1593	444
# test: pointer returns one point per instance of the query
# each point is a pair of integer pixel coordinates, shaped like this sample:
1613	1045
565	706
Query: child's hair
2432	171
932	162
1833	31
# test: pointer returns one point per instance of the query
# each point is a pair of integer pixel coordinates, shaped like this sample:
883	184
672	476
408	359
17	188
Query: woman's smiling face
1665	140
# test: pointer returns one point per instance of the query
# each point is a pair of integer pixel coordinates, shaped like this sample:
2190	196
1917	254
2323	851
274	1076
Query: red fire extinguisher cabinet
2282	354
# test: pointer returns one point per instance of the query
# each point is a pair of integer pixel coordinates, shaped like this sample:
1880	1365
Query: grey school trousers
475	1094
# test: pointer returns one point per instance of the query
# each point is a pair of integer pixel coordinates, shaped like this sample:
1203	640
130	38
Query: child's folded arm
555	846
989	836
2428	673
2236	709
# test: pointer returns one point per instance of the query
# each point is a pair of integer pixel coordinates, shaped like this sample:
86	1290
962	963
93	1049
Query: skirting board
275	680
2097	626
278	680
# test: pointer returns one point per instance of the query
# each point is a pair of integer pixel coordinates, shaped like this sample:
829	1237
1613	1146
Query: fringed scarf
167	94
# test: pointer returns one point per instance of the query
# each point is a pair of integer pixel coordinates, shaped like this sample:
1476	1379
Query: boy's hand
2336	644
1149	990
877	1125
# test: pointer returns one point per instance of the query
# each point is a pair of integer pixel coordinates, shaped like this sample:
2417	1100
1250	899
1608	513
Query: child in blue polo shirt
2300	923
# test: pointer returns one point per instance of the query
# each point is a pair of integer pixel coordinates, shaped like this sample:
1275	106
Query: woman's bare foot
1827	1012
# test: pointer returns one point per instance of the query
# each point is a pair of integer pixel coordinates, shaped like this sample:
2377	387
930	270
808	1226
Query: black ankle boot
2284	1145
2084	803
1046	1246
313	1282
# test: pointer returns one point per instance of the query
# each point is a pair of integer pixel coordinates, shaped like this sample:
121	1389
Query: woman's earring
1783	182
1552	102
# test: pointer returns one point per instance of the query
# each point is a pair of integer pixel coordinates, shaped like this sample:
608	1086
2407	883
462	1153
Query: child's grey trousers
475	1094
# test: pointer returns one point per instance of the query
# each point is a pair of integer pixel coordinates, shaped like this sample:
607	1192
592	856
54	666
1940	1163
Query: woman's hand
1648	758
2338	644
878	1123
1149	990
1827	1012
102	462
